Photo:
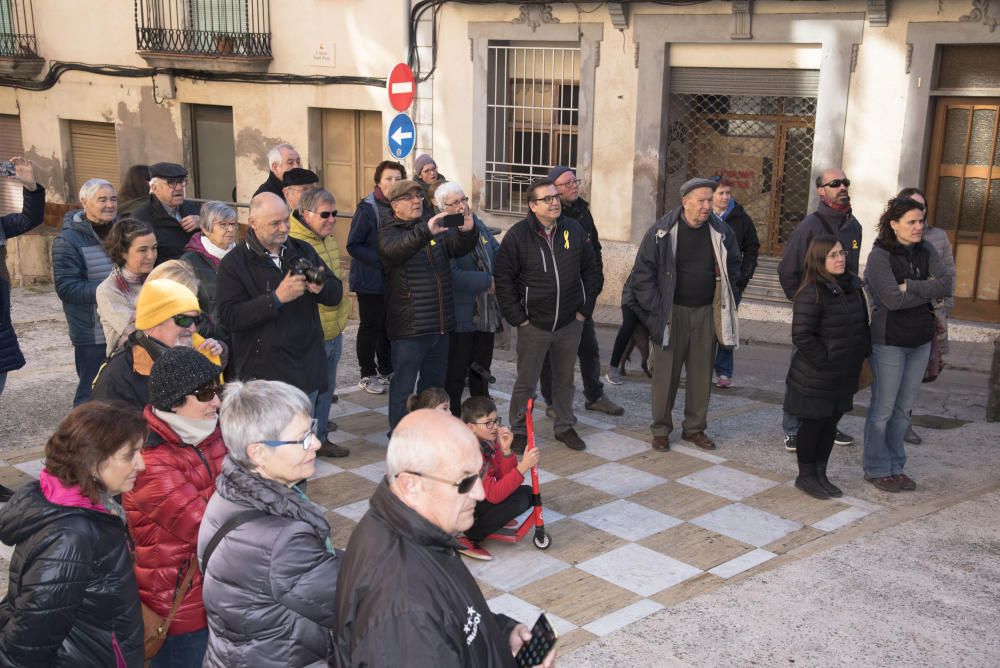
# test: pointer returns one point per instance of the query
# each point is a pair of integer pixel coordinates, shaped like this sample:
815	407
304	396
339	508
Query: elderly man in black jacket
269	306
420	307
547	280
404	597
173	218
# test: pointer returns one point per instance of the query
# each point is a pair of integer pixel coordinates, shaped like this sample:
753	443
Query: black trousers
815	439
372	339
491	516
464	349
590	366
625	332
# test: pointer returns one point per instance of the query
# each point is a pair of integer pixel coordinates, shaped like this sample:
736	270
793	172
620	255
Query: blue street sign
402	136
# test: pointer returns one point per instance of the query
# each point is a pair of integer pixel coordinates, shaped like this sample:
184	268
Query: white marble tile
384	410
497	394
727	483
746	524
696	453
612	446
379	438
35	466
549	516
324	469
860	503
340	436
374	472
543	477
639	569
617	479
620	618
627	520
593	422
524	612
841	519
343	408
744	562
346	389
516	569
353	511
6	551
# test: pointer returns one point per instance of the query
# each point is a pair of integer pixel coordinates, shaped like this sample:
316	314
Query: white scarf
213	249
190	430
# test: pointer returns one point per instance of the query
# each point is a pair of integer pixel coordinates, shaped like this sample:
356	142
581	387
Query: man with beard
833	217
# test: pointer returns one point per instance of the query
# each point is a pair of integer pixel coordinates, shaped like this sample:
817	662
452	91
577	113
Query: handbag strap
230	524
182	590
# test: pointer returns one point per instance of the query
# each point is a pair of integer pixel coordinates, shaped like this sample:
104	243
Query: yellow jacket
333	318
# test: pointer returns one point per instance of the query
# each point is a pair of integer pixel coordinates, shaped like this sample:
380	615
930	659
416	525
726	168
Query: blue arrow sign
402	136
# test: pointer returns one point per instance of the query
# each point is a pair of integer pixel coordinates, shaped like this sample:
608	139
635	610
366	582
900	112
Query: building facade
638	97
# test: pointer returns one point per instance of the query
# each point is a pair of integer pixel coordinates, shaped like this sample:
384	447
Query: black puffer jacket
580	212
831	337
171	238
747	240
545	284
71	586
418	293
823	221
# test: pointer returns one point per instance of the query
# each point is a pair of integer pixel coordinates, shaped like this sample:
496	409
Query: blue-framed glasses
302	442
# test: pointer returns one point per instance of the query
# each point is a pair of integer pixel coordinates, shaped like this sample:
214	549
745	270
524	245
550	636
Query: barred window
533	115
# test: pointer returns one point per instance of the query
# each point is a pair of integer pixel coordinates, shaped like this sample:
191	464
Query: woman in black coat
831	337
72	599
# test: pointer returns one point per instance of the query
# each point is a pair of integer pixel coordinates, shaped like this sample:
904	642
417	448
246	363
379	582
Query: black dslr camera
302	267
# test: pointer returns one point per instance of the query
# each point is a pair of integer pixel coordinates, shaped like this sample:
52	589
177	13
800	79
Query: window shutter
94	153
10	146
739	81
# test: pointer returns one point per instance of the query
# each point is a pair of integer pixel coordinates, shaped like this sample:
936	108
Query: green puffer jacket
333	318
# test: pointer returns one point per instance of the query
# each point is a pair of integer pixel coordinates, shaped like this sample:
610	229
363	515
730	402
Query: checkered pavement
632	530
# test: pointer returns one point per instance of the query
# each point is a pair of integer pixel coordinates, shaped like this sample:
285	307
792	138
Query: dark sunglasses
464	485
205	393
326	214
836	183
185	321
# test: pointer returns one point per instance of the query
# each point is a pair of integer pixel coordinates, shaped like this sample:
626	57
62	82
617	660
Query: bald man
271	310
404	597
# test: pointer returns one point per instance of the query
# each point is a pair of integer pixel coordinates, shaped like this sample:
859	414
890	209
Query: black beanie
177	373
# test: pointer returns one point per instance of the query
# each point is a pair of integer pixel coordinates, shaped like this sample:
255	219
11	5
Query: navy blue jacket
80	264
367	273
31	216
468	281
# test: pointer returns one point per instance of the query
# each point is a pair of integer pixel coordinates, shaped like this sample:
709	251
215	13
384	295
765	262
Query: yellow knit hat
160	300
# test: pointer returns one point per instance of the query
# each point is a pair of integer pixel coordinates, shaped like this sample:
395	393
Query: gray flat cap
694	184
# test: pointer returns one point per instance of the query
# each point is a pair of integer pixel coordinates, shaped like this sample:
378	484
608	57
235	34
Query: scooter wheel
543	542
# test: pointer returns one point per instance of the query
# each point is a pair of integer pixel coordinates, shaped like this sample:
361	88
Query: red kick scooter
541	539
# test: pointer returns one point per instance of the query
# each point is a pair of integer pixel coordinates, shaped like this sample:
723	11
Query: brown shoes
661	443
701	440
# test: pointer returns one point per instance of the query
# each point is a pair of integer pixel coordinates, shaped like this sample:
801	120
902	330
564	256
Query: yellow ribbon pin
433	243
566	239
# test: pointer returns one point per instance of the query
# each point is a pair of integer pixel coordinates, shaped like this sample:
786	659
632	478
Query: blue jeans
184	651
88	361
897	373
424	356
723	355
321	408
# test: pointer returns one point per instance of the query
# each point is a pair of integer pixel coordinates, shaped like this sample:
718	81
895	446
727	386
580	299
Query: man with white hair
404	597
280	159
79	265
174	219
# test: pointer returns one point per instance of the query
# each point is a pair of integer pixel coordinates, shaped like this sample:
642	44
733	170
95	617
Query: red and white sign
401	87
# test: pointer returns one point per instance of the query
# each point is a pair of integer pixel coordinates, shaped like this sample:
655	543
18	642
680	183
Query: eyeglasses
173	183
304	441
548	199
833	255
571	182
495	422
464	200
184	321
228	226
464	485
324	214
205	393
836	183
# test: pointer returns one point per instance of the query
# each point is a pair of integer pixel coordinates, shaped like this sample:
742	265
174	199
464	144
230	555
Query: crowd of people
171	523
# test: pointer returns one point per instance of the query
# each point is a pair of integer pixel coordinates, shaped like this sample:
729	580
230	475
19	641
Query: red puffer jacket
164	514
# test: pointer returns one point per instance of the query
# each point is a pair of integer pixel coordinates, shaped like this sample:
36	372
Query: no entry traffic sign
401	87
402	136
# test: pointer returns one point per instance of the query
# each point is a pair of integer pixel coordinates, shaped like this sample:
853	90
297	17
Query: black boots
824	482
808	482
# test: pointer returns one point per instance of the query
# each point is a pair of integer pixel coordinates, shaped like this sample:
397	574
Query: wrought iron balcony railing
233	28
17	29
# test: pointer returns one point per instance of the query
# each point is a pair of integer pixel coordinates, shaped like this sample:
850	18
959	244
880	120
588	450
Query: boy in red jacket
502	473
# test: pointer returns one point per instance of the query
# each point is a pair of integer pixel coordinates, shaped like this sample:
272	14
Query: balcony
18	47
214	35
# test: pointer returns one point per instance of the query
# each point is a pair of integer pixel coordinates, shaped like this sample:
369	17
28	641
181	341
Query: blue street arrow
401	136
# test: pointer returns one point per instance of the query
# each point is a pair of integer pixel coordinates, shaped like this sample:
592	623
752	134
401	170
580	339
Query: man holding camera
420	308
267	295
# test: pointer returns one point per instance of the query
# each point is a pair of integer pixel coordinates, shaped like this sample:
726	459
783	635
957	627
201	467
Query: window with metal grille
17	29
204	27
533	114
754	127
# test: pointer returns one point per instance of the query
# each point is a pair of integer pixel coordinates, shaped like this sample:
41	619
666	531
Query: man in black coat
833	217
280	159
547	280
270	308
174	219
420	307
577	208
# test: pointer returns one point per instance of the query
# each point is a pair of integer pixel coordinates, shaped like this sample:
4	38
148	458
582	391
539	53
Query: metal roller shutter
10	145
718	81
94	152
